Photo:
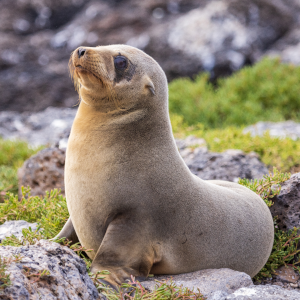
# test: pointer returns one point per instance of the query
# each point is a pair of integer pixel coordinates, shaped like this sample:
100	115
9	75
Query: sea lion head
117	77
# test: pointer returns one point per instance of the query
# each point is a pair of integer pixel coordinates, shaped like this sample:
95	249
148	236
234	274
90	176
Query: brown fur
131	197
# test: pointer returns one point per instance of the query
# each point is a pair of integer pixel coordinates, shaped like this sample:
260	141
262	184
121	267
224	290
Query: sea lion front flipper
125	250
68	232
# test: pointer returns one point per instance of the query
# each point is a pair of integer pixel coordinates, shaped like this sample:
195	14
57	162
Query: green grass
12	156
267	91
274	152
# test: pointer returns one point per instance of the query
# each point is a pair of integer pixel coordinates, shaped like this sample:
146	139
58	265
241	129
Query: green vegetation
285	248
267	91
12	156
50	211
274	152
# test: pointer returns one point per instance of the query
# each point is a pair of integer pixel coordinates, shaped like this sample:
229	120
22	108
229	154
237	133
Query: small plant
4	276
29	272
50	211
29	238
268	187
133	290
284	252
12	156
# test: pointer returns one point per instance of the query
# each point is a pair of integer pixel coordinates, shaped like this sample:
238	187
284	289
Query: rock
287	204
190	142
285	129
185	37
43	171
220	37
47	127
37	38
66	278
228	165
212	283
15	228
264	292
287	274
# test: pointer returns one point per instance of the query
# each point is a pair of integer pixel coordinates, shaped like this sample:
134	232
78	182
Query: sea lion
130	195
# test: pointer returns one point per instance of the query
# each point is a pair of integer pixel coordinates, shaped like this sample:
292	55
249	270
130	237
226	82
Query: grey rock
287	274
264	292
228	165
68	278
47	127
212	283
190	142
287	204
43	171
220	37
15	228
285	129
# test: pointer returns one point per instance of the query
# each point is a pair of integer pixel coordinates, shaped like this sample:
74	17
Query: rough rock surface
263	292
279	129
220	37
15	228
287	204
43	171
43	128
212	283
287	274
228	165
184	36
67	279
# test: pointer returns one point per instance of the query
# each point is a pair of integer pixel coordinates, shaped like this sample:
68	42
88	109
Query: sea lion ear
149	85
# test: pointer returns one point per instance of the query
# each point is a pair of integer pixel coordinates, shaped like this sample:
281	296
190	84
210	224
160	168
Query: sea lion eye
120	62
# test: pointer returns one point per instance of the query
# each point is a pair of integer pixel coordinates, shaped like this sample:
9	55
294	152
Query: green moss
267	91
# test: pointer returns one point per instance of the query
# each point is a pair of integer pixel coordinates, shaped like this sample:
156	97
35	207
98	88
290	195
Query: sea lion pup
130	195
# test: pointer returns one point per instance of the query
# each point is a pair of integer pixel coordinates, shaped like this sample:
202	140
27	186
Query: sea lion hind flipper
68	232
124	251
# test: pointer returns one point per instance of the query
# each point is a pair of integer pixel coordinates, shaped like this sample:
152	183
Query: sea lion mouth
80	69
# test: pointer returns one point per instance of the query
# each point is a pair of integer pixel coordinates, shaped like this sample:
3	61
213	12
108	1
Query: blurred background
185	36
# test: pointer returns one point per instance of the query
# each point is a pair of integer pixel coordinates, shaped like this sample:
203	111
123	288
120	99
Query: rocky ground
47	270
184	36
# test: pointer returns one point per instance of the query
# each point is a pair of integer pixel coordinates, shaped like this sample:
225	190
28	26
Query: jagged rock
43	171
37	38
285	129
212	283
42	128
66	278
287	274
228	165
264	292
220	37
15	228
287	204
185	37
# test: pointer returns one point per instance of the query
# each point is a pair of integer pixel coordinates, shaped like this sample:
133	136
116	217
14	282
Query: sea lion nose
81	52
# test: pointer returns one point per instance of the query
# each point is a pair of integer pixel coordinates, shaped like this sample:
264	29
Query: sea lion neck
139	124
